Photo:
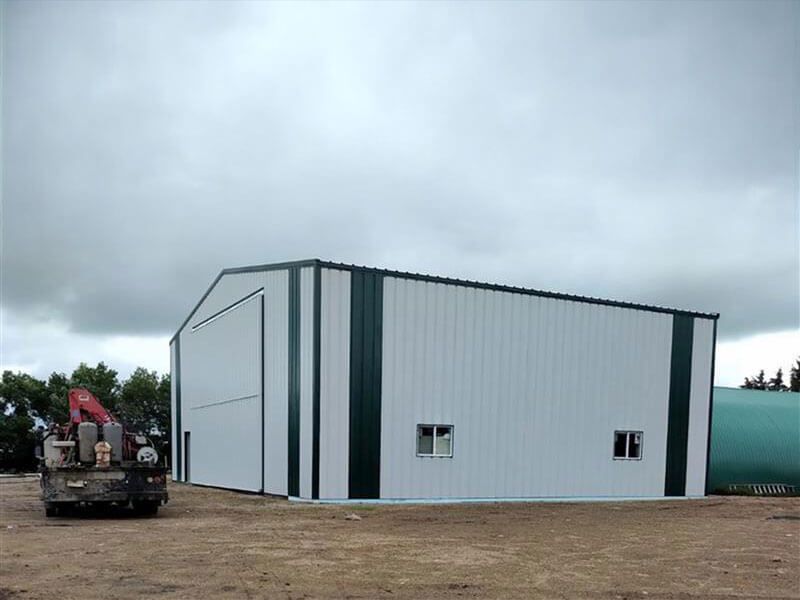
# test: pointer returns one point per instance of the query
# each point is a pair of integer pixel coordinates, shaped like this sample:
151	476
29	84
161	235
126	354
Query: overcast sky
638	151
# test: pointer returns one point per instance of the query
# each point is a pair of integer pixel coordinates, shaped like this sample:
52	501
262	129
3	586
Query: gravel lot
211	543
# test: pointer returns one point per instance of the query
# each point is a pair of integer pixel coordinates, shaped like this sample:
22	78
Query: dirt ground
209	543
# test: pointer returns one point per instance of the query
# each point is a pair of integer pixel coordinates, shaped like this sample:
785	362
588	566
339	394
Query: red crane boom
83	406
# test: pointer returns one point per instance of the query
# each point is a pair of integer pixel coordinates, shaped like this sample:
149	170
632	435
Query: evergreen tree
755	383
794	377
776	383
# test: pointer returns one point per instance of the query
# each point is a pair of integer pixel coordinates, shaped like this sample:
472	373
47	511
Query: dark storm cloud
646	152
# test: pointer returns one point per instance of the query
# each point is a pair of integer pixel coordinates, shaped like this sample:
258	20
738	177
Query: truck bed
145	486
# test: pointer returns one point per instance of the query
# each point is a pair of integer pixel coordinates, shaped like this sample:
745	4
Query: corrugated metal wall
199	370
276	381
755	438
334	383
306	379
534	387
221	398
702	354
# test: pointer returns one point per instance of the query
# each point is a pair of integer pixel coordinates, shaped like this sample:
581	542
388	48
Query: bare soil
209	543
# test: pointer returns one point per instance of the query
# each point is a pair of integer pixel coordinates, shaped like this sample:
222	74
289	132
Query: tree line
141	402
775	384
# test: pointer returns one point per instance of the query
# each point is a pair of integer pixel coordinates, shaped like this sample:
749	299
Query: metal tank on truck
93	461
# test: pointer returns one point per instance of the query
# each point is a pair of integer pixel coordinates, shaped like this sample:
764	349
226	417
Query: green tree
22	396
17	442
794	377
144	405
99	380
776	384
23	393
57	410
758	382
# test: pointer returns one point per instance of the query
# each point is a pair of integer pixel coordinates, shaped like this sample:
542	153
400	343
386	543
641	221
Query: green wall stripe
316	380
177	415
366	325
680	382
294	382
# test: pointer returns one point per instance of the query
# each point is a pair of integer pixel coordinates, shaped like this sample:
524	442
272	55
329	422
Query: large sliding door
222	370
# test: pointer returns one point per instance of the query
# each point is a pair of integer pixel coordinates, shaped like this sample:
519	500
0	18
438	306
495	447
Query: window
435	440
627	445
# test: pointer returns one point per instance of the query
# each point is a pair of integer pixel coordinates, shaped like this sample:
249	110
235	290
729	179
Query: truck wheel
145	507
50	510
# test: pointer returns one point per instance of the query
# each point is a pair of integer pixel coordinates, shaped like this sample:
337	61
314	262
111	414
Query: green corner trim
680	383
293	481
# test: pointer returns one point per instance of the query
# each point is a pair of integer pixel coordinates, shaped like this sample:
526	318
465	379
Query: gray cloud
645	152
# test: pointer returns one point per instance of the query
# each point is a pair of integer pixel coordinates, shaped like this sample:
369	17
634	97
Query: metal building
755	439
321	380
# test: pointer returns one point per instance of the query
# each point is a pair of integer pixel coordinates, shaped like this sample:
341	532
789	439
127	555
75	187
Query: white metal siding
702	348
228	290
535	389
306	380
534	386
221	399
276	382
334	383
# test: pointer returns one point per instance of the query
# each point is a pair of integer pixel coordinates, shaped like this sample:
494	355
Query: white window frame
435	427
628	433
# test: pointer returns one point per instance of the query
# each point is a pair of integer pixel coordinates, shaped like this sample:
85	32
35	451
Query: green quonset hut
755	438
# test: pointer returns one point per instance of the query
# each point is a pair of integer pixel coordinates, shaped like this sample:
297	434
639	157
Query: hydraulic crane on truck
94	461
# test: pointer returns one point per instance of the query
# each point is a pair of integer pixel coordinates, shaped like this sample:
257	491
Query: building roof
314	262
